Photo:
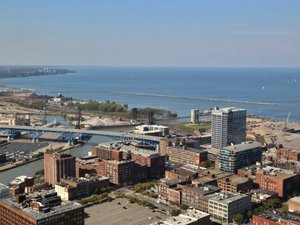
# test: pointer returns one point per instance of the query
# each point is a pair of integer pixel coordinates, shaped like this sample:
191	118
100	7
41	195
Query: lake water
266	92
179	89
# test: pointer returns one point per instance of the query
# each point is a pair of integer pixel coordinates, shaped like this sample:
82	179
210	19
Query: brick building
235	184
108	152
119	172
57	166
210	176
278	180
186	155
123	162
197	197
71	188
38	211
144	155
89	167
288	154
164	186
18	185
268	217
180	173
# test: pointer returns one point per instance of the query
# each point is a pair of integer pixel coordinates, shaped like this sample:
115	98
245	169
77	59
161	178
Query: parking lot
14	150
120	211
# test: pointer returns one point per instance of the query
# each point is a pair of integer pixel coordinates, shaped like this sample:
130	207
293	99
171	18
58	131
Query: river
30	168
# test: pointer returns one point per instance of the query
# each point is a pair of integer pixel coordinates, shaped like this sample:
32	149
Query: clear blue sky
150	32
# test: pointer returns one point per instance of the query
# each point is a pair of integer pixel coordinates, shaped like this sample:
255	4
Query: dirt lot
272	132
112	213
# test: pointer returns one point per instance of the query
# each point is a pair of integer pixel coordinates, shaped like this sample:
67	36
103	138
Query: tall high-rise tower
228	126
57	166
194	116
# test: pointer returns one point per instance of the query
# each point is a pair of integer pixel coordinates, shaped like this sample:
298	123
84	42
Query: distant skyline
197	33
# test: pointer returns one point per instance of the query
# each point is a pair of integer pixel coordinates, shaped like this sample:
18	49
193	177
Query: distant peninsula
26	71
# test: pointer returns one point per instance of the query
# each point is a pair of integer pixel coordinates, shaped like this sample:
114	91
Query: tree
206	164
272	203
249	213
238	218
284	209
175	212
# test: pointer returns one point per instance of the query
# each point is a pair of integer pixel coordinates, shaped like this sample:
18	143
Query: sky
198	33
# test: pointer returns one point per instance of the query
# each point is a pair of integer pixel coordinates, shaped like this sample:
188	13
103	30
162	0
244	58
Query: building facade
57	166
19	184
35	212
71	188
194	116
278	180
234	157
197	197
228	126
223	206
186	155
270	217
235	184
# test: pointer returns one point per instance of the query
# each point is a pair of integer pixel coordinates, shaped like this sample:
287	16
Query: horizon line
157	66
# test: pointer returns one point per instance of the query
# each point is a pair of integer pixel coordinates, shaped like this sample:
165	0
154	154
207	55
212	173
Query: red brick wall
257	220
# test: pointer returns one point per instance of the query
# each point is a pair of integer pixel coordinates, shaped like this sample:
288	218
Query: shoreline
259	102
13	166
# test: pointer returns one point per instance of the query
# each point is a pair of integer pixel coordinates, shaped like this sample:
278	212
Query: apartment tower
57	166
228	127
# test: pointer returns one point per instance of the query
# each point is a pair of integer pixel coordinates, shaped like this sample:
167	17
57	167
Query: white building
191	217
153	130
228	126
223	206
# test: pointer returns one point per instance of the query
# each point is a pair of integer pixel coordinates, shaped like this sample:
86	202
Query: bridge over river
74	134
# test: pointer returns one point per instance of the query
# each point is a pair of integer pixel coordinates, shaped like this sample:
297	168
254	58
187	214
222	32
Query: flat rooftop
295	199
41	215
226	197
274	171
205	190
132	147
211	175
185	148
276	217
191	215
19	180
85	179
234	179
227	110
247	145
